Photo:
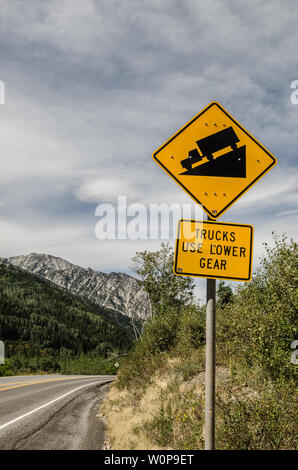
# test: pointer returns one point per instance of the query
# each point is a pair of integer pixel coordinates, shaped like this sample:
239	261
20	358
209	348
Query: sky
94	87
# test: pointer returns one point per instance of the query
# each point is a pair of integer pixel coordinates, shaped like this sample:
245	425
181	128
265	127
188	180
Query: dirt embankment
167	414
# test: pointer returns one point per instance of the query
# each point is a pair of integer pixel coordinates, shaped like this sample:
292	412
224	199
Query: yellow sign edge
185	189
214	223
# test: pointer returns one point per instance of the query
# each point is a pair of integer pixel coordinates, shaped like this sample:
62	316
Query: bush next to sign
259	326
159	398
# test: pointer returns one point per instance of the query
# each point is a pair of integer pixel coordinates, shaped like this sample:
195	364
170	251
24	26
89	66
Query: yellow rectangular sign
214	250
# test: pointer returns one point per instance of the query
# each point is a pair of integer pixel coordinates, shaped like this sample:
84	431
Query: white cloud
277	190
284	213
103	189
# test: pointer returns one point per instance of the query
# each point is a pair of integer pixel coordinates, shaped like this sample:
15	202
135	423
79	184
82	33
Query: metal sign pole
210	365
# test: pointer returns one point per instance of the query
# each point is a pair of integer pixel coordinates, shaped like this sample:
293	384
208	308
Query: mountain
120	293
45	327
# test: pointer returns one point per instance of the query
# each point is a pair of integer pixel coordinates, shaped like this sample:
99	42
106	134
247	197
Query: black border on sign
210	276
214	103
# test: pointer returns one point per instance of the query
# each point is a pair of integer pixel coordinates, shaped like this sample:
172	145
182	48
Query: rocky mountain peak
116	291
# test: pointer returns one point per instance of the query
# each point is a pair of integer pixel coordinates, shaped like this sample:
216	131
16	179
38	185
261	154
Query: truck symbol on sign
209	145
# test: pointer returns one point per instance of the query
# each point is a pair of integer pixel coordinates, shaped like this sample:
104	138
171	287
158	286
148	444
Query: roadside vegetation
46	329
157	401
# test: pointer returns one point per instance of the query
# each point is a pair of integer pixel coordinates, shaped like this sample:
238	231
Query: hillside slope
157	401
42	322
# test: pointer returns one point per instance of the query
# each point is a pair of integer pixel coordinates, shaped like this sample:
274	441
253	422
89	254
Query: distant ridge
115	291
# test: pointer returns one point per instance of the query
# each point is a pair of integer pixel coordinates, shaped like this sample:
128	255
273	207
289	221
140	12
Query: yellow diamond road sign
214	159
214	250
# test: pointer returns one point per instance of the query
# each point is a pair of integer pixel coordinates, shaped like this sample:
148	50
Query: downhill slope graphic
230	165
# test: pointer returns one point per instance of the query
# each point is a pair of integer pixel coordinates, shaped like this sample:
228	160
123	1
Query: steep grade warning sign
214	250
214	159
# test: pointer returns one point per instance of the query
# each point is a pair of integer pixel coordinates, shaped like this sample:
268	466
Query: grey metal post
210	365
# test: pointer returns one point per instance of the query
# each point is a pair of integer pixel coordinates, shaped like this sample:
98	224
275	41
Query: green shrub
179	421
191	328
5	369
258	327
265	422
173	330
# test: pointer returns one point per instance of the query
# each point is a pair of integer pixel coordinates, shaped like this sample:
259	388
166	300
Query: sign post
215	161
213	250
210	365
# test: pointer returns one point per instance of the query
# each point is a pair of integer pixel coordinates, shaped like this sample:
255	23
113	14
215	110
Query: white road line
45	405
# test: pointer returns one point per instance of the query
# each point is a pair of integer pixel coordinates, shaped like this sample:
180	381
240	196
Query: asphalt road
51	412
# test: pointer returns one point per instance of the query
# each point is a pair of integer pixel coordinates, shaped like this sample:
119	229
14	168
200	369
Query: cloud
283	213
103	189
270	193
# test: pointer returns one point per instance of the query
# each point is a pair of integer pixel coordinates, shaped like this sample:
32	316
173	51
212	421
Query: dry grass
125	415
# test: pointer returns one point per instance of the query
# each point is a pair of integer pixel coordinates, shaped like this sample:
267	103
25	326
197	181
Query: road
51	412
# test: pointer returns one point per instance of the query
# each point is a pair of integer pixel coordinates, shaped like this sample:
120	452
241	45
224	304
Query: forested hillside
47	329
